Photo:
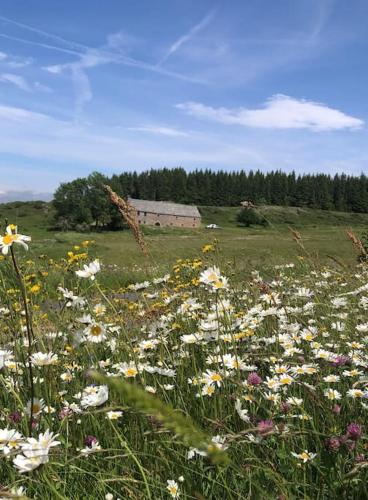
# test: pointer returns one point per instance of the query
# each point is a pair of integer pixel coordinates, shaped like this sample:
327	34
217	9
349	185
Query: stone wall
154	219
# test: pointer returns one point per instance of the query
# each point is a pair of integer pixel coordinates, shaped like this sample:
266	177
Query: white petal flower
94	396
11	236
89	271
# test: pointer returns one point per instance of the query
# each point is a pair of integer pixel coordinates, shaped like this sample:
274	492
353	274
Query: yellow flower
208	248
35	288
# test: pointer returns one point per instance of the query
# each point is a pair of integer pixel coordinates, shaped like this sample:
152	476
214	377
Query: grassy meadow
323	233
234	368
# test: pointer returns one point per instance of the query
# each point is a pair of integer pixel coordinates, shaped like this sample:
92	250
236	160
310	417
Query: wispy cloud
40	140
20	114
22	84
278	112
39	136
12	61
188	36
113	52
17	80
154	129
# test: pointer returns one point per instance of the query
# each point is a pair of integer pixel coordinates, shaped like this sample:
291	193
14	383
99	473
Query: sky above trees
115	86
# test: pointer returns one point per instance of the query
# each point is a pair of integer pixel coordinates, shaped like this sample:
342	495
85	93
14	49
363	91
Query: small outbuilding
165	213
247	204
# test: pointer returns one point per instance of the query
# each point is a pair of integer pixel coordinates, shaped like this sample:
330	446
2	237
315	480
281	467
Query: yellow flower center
131	372
36	408
285	380
9	238
96	330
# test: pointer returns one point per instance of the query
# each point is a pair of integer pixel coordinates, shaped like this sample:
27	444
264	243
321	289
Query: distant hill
9	196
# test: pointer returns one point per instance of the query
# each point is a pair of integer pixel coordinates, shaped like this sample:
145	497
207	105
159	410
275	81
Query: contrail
79	49
185	38
40	44
68	43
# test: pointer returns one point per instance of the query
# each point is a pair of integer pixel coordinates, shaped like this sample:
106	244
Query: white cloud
3	56
278	112
16	80
160	130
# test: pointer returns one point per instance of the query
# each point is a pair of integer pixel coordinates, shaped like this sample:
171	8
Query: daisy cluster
273	366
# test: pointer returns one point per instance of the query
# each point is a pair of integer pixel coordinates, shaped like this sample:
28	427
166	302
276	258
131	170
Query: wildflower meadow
199	383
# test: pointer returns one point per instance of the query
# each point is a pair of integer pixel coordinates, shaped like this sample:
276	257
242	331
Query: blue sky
134	84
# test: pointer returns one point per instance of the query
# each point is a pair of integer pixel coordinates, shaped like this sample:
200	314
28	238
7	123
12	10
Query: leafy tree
250	217
72	203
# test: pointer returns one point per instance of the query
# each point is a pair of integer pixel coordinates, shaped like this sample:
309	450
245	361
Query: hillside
295	216
324	234
37	216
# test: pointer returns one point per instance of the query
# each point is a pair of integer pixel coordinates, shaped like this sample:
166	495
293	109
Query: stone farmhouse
164	213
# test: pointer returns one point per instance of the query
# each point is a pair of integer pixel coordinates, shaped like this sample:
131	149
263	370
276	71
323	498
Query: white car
213	226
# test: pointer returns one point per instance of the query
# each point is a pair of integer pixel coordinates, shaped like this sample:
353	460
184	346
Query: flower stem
30	334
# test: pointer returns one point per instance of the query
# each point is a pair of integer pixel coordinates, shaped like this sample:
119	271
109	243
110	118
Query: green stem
30	334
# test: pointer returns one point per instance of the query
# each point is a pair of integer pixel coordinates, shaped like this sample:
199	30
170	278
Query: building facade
164	213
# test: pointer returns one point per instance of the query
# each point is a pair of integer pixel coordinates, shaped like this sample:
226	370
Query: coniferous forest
83	200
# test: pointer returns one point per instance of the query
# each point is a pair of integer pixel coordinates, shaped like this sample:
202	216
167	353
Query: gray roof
164	208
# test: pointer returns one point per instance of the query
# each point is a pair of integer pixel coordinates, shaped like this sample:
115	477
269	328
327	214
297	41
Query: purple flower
341	360
65	412
285	407
254	379
15	417
265	426
354	431
333	443
90	441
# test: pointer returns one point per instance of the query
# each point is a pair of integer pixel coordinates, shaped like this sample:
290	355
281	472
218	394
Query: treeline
84	202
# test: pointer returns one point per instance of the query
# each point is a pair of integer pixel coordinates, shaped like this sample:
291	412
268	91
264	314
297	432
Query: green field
208	383
323	232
